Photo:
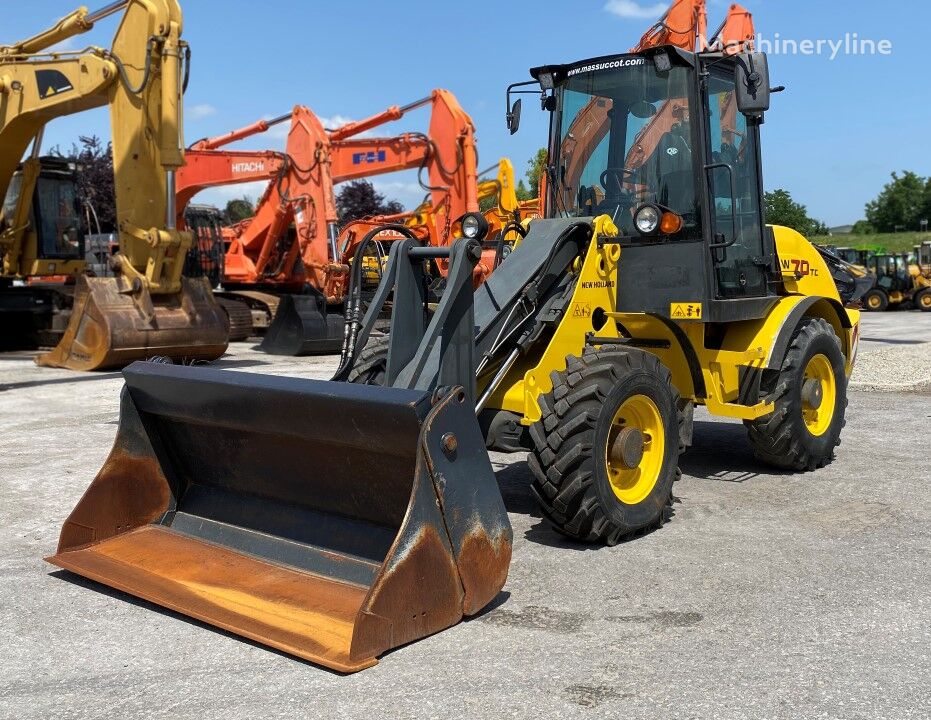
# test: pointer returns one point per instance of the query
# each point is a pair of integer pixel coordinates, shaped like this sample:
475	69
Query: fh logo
371	156
248	167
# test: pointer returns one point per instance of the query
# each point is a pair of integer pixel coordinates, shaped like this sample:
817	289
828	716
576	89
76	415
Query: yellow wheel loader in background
335	520
147	309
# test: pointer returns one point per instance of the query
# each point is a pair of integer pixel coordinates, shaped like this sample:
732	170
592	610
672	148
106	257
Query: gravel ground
767	596
895	369
895	355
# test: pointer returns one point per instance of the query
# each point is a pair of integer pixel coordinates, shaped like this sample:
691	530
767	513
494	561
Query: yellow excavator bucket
111	326
329	520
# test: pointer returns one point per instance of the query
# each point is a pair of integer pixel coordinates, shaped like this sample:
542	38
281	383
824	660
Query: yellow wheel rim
925	299
874	301
819	395
635	449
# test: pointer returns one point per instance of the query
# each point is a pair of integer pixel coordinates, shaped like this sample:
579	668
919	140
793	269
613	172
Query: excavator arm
147	308
447	154
206	169
206	166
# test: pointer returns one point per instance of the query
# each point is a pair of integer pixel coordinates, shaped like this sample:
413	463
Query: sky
846	121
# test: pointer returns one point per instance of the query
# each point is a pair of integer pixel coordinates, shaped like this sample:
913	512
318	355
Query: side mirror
753	83
513	117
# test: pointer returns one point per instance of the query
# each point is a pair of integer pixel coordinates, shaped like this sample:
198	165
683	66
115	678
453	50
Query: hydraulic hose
353	308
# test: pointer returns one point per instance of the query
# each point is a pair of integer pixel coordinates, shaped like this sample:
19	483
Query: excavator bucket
329	520
110	327
303	326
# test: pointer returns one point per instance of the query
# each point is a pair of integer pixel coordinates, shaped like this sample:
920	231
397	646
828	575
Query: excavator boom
148	308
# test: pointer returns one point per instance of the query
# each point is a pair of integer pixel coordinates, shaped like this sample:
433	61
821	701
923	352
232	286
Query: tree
862	227
94	162
903	202
537	165
359	199
239	209
781	209
522	192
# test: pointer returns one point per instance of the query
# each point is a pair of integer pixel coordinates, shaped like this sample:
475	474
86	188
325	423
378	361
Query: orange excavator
297	275
287	246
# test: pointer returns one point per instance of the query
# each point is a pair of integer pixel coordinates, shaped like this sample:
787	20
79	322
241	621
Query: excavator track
240	318
262	305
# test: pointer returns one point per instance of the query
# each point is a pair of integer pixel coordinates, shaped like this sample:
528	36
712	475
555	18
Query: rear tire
923	300
369	368
584	489
798	435
876	300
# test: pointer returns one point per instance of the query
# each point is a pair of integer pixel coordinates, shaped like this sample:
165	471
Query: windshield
59	224
624	138
9	203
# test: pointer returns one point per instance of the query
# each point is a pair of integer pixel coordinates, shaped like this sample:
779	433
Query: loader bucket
302	326
111	327
328	520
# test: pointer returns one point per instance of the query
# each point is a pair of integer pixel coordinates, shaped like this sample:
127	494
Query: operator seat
671	170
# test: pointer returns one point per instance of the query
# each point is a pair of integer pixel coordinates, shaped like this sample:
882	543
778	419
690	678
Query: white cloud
335	121
66	45
219	196
631	9
199	112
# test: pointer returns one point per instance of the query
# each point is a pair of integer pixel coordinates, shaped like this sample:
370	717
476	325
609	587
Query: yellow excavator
147	309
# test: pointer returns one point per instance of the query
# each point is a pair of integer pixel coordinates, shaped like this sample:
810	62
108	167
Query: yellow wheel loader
335	520
148	308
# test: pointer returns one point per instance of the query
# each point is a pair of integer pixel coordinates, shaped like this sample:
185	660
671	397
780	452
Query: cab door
741	257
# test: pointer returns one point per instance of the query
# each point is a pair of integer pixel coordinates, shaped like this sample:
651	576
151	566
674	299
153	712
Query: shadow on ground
721	452
76	378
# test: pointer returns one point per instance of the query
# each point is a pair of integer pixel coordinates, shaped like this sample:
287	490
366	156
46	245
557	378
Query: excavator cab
41	232
54	219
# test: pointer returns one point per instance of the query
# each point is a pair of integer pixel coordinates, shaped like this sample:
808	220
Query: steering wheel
617	174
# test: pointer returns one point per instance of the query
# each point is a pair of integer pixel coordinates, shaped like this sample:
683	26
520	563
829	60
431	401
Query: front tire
810	395
876	300
372	363
923	300
607	447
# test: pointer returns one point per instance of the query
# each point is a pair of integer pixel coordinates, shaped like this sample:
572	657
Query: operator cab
56	216
666	143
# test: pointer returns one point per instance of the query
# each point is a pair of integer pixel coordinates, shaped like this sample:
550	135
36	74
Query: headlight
647	219
474	226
